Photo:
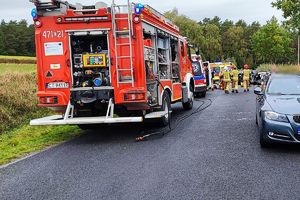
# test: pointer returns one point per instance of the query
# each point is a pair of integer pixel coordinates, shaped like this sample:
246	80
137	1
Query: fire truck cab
99	64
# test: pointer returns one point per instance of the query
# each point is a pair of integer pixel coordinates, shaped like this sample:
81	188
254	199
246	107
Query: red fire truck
99	64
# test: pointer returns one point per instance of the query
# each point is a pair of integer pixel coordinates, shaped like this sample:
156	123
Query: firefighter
246	78
212	80
235	79
226	80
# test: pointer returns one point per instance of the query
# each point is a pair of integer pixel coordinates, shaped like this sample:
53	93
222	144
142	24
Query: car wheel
262	141
166	106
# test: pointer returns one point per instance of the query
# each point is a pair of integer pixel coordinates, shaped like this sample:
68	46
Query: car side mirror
258	91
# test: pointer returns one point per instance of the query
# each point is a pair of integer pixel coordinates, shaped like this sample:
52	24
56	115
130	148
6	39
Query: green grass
286	69
18	99
18	87
18	57
22	68
27	139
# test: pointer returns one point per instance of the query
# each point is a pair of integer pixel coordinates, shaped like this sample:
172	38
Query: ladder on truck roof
51	4
119	36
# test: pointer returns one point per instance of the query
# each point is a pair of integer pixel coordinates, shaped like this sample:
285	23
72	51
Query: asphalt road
214	154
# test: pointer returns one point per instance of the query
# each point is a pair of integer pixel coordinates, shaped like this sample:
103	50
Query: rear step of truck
59	120
69	119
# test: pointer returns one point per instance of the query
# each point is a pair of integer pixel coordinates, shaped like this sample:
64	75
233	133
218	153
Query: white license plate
57	85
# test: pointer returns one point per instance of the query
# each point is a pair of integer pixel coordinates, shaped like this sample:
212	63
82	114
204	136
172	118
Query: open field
18	59
290	69
17	106
20	68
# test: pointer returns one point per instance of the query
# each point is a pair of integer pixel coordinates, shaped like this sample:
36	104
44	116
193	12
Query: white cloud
254	10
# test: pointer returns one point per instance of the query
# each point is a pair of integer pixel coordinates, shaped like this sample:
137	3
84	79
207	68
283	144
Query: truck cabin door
175	63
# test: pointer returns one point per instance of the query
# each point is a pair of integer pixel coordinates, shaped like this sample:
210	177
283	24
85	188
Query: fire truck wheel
189	105
166	106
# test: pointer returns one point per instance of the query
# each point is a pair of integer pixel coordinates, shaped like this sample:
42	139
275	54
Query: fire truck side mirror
189	51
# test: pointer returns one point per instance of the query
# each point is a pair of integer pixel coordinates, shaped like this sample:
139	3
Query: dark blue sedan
278	110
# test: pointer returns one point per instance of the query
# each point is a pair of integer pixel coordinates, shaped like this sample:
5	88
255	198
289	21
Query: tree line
239	42
215	39
17	38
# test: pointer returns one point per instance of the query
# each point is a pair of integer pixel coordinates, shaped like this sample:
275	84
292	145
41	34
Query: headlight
276	116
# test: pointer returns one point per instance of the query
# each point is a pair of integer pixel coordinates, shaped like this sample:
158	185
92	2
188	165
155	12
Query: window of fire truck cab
175	60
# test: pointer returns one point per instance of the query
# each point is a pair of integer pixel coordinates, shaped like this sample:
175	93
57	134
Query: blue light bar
34	13
139	8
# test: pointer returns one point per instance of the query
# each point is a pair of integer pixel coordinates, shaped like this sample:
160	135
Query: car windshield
284	86
197	68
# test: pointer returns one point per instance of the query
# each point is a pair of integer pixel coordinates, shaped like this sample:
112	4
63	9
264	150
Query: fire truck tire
166	106
189	105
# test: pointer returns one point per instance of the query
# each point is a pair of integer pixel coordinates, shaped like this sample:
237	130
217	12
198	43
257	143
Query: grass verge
18	87
286	69
18	100
27	139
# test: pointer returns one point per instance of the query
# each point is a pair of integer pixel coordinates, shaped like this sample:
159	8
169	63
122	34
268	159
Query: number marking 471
53	34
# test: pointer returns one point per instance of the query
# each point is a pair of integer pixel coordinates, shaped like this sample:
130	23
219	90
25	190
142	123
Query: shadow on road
129	131
125	132
283	149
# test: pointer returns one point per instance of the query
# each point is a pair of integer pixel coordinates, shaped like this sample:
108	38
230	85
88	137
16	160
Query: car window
284	86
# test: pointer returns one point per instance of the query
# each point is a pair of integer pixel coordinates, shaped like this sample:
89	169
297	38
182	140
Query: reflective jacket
246	74
226	76
235	75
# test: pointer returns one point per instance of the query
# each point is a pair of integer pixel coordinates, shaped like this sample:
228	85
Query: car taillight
134	97
48	100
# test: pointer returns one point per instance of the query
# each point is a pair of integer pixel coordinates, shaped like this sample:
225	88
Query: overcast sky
249	10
